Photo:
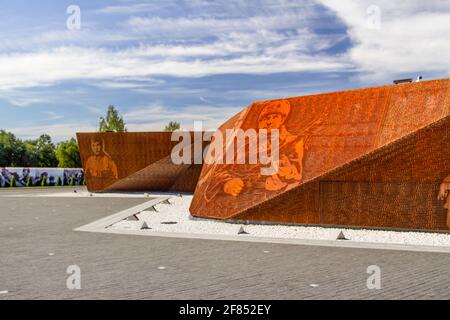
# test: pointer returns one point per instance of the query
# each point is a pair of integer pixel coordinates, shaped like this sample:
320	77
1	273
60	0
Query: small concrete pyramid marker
152	208
242	231
341	236
133	218
145	226
166	201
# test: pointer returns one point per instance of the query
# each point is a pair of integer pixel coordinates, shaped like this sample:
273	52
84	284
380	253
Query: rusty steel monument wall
134	161
372	157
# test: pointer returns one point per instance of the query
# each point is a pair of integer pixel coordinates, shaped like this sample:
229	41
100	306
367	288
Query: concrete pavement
38	244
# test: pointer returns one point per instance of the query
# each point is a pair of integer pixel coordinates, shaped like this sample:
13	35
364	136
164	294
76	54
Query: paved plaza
38	245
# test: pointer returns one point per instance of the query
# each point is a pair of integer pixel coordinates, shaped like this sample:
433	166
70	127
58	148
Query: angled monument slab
134	161
372	157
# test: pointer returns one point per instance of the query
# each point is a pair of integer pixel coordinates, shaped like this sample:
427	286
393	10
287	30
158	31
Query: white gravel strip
178	211
87	194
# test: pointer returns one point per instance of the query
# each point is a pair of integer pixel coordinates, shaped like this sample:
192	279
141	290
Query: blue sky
159	61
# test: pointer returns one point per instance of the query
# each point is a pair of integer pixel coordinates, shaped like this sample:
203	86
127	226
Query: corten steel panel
396	186
323	133
130	161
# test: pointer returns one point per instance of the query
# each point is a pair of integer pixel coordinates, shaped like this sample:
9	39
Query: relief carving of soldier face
271	121
444	195
273	115
96	147
444	190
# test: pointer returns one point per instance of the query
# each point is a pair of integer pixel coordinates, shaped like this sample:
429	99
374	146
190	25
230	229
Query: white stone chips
178	211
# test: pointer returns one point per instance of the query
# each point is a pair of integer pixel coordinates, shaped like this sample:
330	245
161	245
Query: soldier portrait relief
245	181
272	116
100	166
444	195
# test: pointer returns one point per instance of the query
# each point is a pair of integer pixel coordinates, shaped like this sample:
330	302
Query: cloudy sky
159	61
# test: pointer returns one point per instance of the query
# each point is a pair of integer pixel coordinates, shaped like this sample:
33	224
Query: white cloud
130	8
95	110
58	132
156	116
53	115
126	83
200	27
67	63
23	99
413	36
210	38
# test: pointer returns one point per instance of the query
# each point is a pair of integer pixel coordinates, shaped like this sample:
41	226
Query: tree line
40	152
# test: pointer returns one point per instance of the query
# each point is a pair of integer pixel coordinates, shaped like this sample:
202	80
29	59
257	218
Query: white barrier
33	176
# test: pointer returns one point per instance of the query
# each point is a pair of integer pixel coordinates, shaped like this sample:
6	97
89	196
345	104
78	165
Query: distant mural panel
136	161
40	176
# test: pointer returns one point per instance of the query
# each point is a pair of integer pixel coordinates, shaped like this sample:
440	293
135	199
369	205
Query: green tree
29	182
172	126
44	181
12	150
72	181
40	152
112	122
46	151
68	154
31	154
58	181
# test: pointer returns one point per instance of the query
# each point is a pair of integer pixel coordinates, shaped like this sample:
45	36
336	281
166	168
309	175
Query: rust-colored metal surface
134	161
373	157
